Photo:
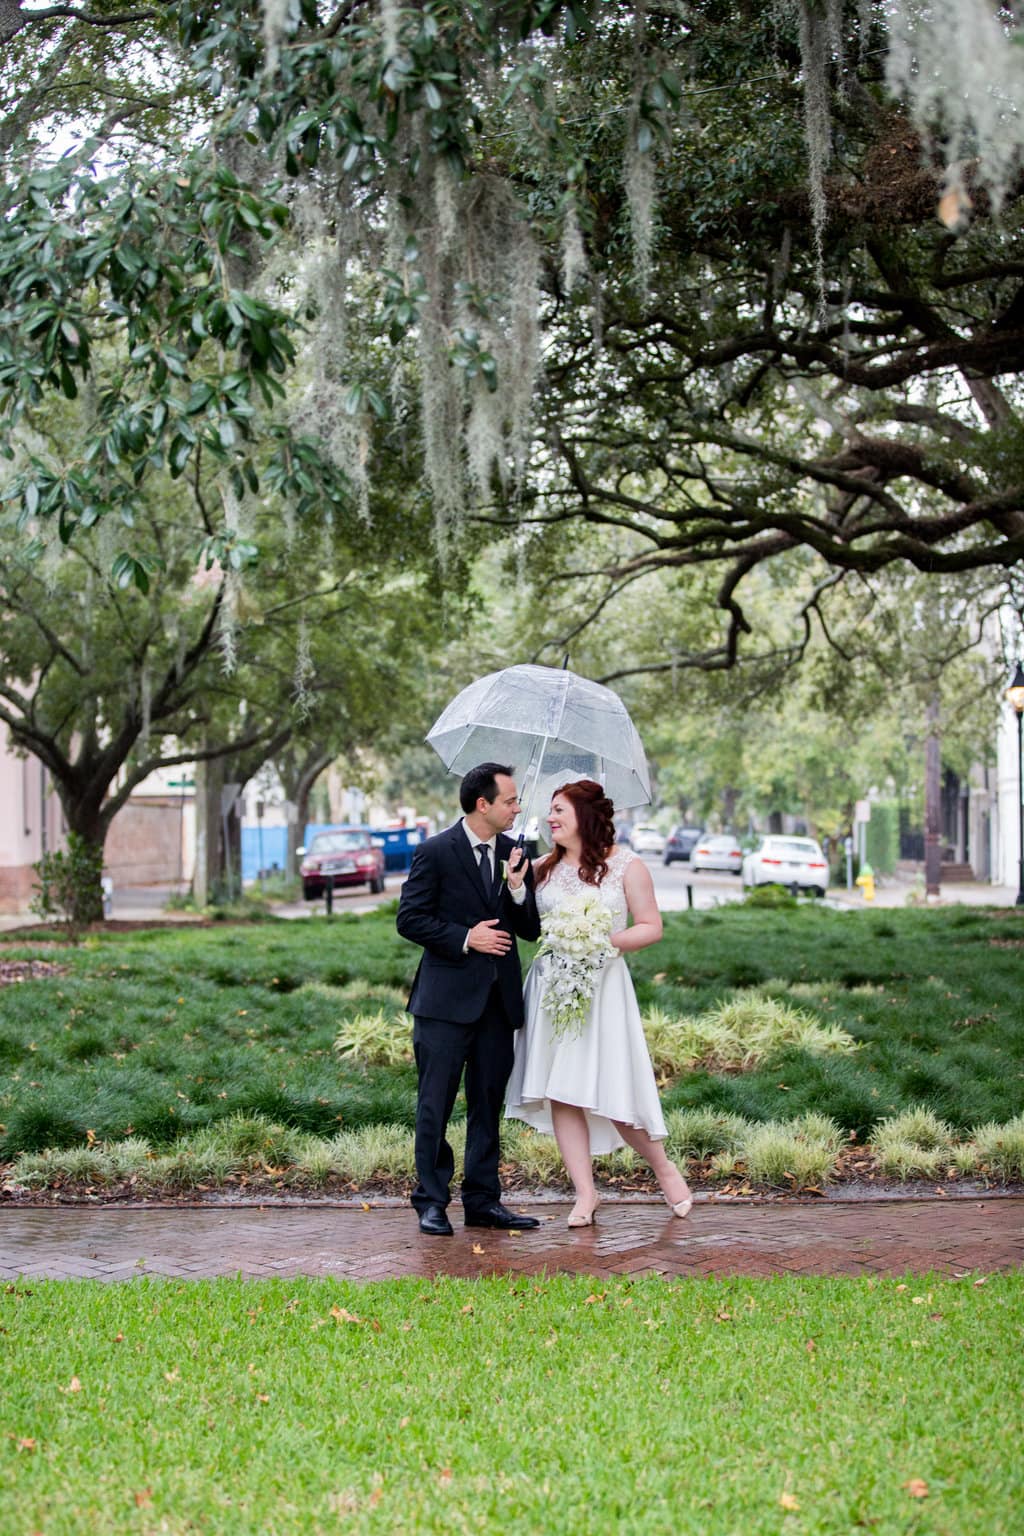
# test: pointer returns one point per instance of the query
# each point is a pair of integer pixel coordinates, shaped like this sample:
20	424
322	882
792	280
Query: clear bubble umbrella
549	724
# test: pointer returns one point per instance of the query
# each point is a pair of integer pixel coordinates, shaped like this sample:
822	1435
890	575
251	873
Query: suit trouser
443	1050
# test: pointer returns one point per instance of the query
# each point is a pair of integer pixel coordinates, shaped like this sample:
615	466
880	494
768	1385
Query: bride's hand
518	864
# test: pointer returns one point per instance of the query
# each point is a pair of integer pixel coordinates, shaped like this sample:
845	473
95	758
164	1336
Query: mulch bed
858	1179
13	971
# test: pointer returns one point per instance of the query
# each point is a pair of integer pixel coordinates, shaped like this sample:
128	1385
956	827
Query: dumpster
400	843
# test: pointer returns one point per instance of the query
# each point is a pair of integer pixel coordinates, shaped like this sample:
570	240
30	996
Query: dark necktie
485	866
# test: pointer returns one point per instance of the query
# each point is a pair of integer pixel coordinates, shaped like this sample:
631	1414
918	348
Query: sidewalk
893	893
630	1238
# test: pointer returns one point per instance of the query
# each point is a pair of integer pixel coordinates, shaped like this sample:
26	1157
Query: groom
467	998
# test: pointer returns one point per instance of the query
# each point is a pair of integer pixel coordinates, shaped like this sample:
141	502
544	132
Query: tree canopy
679	270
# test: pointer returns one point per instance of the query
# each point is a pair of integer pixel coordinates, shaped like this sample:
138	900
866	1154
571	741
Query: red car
342	856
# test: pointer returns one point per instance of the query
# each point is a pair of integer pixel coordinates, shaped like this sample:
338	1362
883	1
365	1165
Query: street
670	886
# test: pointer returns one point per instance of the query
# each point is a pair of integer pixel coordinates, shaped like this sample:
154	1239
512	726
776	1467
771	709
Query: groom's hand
518	864
489	939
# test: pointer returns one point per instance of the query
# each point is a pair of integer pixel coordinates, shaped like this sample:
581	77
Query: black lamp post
1015	694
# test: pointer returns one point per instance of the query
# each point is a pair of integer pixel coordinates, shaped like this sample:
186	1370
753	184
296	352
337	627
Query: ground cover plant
155	1039
515	1404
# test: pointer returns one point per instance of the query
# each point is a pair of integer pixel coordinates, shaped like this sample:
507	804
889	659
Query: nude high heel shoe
578	1218
683	1207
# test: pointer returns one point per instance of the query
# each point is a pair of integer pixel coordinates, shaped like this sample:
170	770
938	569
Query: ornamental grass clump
739	1034
378	1039
1000	1148
914	1144
781	1154
383	1151
700	1133
254	1140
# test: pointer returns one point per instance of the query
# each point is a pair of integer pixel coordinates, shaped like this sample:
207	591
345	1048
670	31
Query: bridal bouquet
576	940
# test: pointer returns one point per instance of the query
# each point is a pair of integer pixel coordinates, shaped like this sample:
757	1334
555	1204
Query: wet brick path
885	1237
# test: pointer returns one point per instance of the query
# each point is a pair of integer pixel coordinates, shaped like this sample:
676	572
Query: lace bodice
565	885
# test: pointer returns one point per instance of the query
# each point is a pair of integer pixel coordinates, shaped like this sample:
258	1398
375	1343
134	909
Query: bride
594	1090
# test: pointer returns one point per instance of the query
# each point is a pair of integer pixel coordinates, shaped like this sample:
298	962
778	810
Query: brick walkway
884	1237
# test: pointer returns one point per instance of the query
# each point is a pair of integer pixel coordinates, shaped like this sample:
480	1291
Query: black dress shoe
500	1216
434	1222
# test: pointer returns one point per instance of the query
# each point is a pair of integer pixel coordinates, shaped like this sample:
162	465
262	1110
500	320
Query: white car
720	851
797	862
645	839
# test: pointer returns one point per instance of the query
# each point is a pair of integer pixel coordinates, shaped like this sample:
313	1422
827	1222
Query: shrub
774	897
68	884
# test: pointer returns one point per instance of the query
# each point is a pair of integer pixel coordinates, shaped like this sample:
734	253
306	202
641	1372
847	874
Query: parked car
681	843
794	861
722	851
646	839
342	856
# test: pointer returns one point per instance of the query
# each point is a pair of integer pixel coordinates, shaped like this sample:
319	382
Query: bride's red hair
596	826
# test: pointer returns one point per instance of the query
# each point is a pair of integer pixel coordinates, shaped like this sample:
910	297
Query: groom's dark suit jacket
441	900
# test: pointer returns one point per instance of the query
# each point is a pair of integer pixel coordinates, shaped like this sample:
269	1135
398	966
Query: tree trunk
932	801
207	877
298	792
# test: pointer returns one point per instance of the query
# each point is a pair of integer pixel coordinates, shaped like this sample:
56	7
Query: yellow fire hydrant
866	881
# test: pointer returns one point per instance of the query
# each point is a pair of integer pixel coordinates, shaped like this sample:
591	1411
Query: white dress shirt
490	843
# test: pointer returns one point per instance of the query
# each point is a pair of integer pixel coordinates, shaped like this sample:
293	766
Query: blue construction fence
267	849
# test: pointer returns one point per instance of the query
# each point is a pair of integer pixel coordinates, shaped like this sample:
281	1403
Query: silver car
646	839
720	851
796	862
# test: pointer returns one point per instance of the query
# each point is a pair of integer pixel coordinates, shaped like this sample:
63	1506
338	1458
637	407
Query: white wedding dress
606	1069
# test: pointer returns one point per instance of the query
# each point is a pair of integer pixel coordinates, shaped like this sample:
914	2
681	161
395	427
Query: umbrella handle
525	809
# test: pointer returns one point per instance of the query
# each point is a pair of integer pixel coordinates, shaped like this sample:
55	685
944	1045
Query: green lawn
727	1408
163	1032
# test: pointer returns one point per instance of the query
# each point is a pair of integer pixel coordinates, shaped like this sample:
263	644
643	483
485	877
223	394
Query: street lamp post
1015	694
259	837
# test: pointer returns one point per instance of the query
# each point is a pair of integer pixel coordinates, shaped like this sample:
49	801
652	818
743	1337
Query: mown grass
159	1033
516	1405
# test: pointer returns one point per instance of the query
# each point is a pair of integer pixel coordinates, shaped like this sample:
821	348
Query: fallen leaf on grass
74	1385
143	1497
263	1397
467	1309
27	1444
916	1487
342	1315
444	1477
789	1501
810	1346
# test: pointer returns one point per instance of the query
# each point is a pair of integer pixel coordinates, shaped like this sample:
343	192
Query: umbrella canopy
550	722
